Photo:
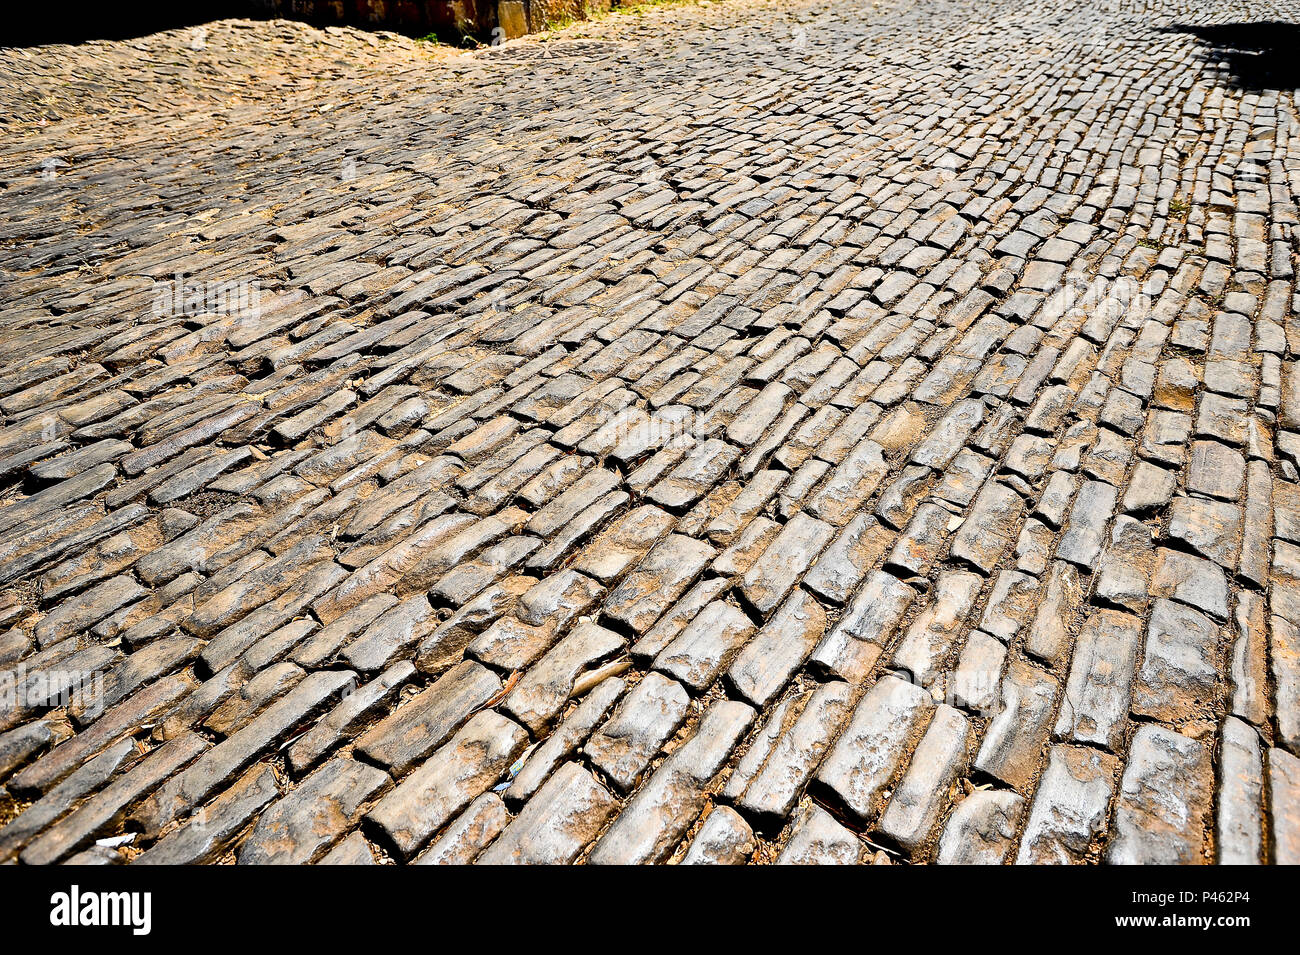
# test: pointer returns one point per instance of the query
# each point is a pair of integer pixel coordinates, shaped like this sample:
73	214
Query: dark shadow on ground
76	21
1260	56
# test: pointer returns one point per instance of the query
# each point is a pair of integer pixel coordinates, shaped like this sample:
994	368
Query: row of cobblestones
763	432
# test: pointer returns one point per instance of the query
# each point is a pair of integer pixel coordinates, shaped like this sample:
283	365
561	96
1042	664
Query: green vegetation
622	8
554	23
639	7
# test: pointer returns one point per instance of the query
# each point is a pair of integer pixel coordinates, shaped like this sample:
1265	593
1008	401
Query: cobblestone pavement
774	432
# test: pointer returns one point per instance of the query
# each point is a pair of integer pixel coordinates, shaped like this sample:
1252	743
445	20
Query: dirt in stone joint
749	432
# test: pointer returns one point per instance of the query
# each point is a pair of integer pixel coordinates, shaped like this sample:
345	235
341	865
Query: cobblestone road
749	432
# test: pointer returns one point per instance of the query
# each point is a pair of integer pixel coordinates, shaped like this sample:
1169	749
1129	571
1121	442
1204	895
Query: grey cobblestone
788	428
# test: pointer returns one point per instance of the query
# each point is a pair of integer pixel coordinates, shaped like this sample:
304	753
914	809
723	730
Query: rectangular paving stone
921	542
211	830
933	632
850	484
857	547
989	528
465	767
396	631
819	840
1068	812
854	644
541	693
465	838
657	582
724	839
1099	687
784	561
773	791
1239	821
747	548
1014	740
564	741
557	824
645	719
1284	789
300	826
1179	675
671	623
767	663
702	467
541	612
351	714
974	685
982	829
1164	801
623	543
1124	571
706	646
921	795
873	745
745	506
445	646
655	819
412	732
